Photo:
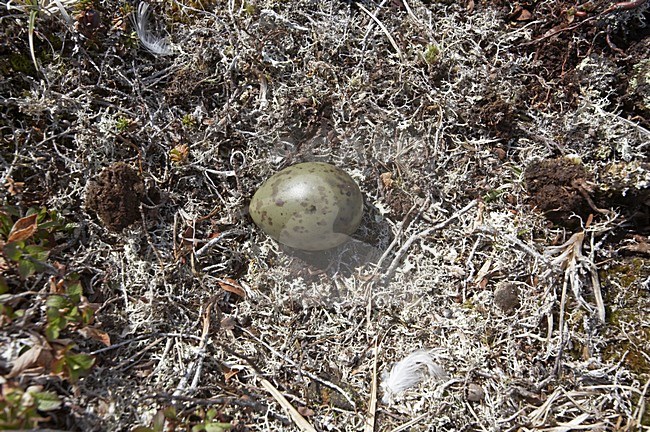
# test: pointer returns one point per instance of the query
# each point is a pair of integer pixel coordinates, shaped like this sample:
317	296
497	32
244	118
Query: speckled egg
310	206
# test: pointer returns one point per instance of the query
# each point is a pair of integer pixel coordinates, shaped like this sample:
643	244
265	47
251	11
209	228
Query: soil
567	194
115	196
558	189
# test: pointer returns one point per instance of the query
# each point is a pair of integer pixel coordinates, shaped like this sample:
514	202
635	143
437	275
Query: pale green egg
310	206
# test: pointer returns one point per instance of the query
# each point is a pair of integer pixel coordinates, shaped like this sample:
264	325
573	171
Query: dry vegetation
441	110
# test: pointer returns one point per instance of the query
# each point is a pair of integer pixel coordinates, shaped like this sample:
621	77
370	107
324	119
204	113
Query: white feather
156	45
409	372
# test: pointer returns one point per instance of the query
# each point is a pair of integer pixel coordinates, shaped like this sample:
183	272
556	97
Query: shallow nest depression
436	109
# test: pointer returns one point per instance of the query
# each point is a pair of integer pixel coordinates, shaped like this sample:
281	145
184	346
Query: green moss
123	124
626	302
634	360
431	54
188	120
624	274
22	63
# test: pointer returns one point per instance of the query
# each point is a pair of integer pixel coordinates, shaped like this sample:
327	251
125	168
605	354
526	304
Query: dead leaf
228	323
57	287
387	179
642	246
232	286
306	412
229	373
14	187
188	236
525	15
23	229
483	271
26	360
94	333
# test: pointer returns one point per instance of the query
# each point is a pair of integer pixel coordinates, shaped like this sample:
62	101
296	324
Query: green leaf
75	291
7	311
26	268
13	250
158	422
39	253
170	413
4	288
5	223
73	314
57	302
217	427
142	429
53	329
81	361
87	314
47	401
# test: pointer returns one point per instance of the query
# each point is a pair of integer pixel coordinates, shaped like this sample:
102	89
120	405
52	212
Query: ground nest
502	151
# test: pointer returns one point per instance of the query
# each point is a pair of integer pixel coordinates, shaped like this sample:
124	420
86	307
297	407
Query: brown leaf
229	373
14	187
642	246
232	286
57	287
228	323
387	179
306	412
188	236
93	333
23	229
525	15
26	360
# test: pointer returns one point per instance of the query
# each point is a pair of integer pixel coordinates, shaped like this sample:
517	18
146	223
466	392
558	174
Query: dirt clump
506	297
115	195
558	189
626	186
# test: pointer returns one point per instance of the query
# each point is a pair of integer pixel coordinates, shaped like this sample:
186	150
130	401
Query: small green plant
209	424
67	309
25	242
188	120
179	154
22	408
82	5
431	54
25	245
124	124
71	365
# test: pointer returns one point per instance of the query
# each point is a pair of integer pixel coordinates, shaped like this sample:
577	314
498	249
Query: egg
309	206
